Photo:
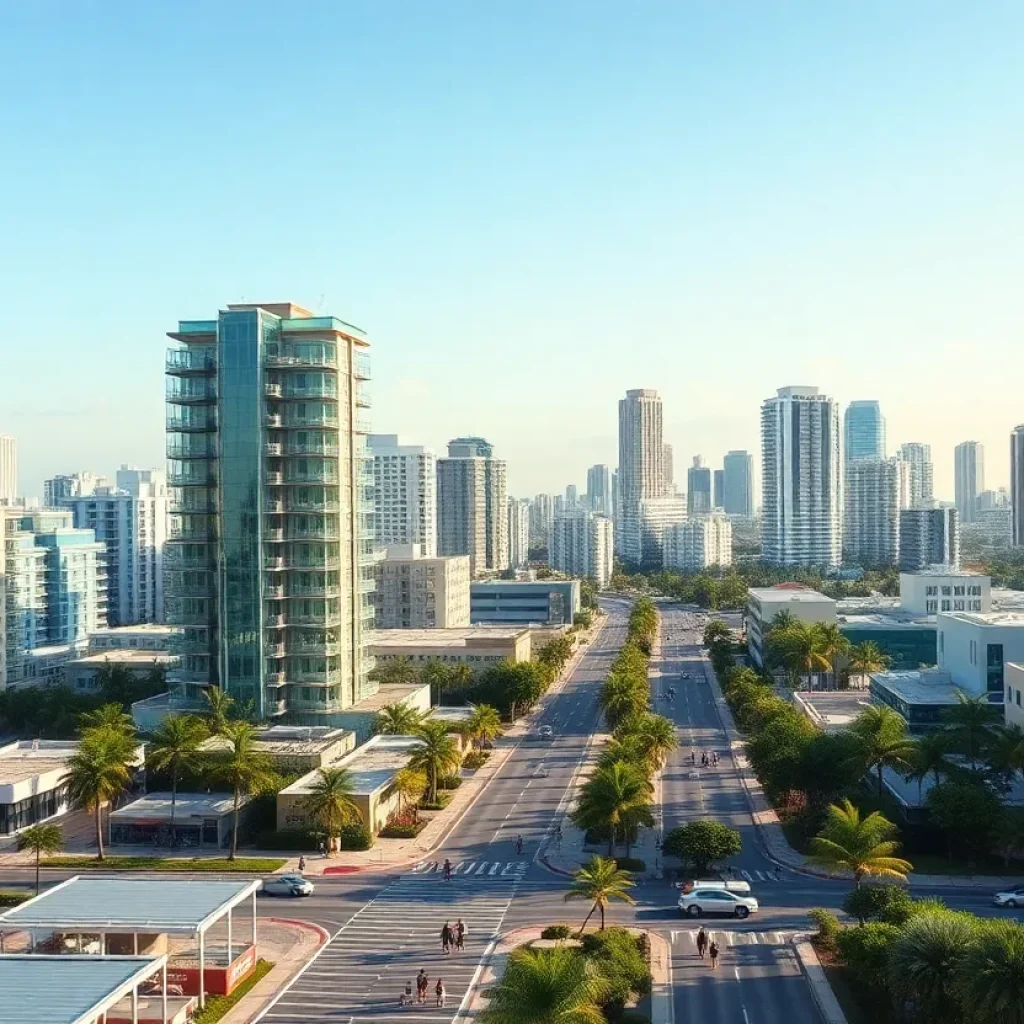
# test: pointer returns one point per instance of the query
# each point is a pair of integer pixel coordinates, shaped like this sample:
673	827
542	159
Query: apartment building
698	543
415	591
404	493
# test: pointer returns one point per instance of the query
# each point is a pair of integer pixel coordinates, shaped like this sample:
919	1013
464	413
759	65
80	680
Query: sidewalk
776	844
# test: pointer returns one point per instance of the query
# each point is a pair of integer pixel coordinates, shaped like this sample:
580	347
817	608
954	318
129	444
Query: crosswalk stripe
483	867
760	876
734	938
746	875
494	867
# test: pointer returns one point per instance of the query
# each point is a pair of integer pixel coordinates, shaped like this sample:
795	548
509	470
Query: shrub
866	952
355	837
476	759
620	960
402	829
631	864
702	843
448	782
9	898
443	798
828	926
556	931
889	903
303	840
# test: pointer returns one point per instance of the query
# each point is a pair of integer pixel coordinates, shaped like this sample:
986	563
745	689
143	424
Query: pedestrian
519	845
421	986
714	758
704	759
447	870
406	997
446	937
323	848
714	954
302	864
702	943
440	992
460	935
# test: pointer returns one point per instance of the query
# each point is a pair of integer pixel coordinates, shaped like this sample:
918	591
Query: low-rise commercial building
908	640
85	674
201	820
515	602
295	748
416	592
372	768
944	589
479	647
764	603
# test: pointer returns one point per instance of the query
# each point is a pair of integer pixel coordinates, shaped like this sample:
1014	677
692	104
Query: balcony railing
272	593
274	479
313	391
327	451
273	448
274	651
274	507
275	622
326	563
273	419
361	366
178	478
272	390
273	563
192	424
274	536
181	361
276	678
309	360
177	450
199	390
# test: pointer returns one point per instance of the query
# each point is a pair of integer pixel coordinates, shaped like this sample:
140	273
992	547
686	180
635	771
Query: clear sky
530	207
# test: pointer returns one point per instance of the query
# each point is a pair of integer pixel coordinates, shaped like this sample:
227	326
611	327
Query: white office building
518	532
801	516
698	543
918	458
8	469
968	478
944	589
644	532
641	467
404	493
582	545
876	490
764	603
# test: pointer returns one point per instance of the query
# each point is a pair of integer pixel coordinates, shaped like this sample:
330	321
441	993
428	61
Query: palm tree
437	754
41	839
617	798
969	724
630	749
868	657
108	716
928	757
409	785
219	708
622	697
398	720
484	724
600	881
547	986
782	620
175	752
659	735
990	975
329	801
1006	752
862	846
833	645
797	648
98	772
245	769
883	735
925	963
395	670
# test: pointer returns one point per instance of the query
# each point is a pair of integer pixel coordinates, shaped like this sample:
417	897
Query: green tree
1006	752
617	798
702	843
889	903
398	720
220	709
436	755
883	733
862	846
247	770
1009	834
40	839
830	762
968	812
658	735
969	725
600	881
799	649
866	951
438	677
832	645
621	698
484	724
928	757
99	772
108	716
716	630
174	751
546	986
410	785
118	684
395	671
329	802
990	974
867	657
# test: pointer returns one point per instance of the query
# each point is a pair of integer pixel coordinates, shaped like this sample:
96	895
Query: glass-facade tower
269	556
863	431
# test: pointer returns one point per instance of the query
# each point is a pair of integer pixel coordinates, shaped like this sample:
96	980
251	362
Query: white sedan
1010	898
287	885
716	901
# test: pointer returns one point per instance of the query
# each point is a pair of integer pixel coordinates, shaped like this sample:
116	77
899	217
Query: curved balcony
274	536
192	424
274	449
274	591
274	479
273	419
327	563
274	651
302	394
274	563
275	622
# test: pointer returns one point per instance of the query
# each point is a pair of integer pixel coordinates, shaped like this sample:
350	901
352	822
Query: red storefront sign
220	980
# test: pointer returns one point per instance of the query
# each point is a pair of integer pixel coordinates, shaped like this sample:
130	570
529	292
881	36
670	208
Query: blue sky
529	206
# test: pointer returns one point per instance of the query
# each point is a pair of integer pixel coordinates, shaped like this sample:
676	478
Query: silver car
1009	898
716	901
288	886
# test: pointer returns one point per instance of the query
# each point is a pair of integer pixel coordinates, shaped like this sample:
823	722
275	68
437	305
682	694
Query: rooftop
451	715
389	693
288	739
126	656
67	989
188	805
886	620
920	686
25	759
372	766
1004	618
833	709
788	592
127	904
460	636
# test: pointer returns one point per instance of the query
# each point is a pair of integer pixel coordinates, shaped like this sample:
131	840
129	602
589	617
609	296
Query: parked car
716	901
287	885
1010	898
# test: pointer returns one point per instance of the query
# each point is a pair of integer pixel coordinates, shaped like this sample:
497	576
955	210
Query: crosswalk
476	868
687	938
360	974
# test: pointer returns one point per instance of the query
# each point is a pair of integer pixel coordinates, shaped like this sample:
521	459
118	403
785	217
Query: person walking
702	943
406	997
446	938
519	845
302	864
714	758
713	950
447	870
460	935
440	992
421	986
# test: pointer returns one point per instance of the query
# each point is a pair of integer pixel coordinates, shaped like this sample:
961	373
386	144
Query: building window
994	668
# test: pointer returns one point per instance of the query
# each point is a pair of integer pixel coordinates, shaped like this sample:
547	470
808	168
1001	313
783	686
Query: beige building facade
417	592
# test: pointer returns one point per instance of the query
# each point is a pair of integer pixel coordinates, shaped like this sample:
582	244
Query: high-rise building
59	488
718	489
876	490
8	469
801	515
404	493
668	468
738	497
698	543
1017	484
698	488
269	556
581	545
542	517
645	533
968	478
616	506
929	536
641	473
599	490
518	532
131	523
472	511
863	431
572	496
918	458
415	591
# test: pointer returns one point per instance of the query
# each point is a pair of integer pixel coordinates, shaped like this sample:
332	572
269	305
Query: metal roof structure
68	989
127	905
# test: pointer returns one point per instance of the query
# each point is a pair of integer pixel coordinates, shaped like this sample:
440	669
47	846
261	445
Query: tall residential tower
641	473
1017	485
918	458
404	494
738	497
968	478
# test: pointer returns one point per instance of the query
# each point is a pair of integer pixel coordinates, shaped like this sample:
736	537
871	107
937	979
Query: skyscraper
581	545
863	431
599	490
572	496
718	489
1017	484
876	490
71	485
8	469
404	494
518	532
641	473
472	509
668	467
738	496
968	478
269	556
929	536
698	488
918	458
801	515
542	515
